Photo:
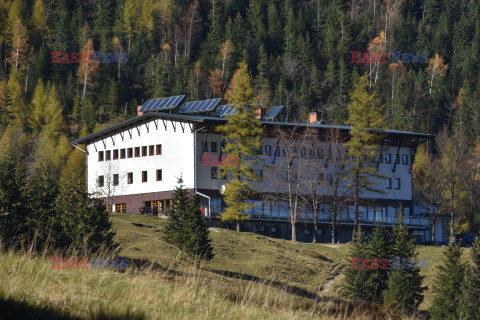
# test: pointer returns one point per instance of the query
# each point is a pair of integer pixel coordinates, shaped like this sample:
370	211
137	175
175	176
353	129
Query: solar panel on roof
199	106
274	111
162	103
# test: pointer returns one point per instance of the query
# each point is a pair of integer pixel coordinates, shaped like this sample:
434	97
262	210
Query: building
134	167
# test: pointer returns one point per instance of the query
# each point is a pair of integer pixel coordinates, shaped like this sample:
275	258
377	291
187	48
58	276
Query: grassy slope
279	279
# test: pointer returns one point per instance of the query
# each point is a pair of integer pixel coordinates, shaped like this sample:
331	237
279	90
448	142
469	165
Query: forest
419	57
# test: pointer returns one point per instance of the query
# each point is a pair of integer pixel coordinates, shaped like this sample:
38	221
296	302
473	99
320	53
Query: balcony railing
413	221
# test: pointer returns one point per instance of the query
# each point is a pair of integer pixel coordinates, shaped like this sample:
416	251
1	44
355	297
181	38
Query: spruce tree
186	227
471	286
405	289
359	284
380	247
446	290
174	233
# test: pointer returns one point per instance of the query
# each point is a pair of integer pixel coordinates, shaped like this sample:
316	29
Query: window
330	178
159	175
284	152
152	150
320	153
101	181
144	176
404	159
320	177
273	229
397	183
115	179
100	156
262	229
108	155
213	147
115	154
302	153
268	150
144	151
320	232
130	153
130	177
159	149
121	208
380	158
223	174
388	158
137	152
397	159
307	231
388	182
122	154
205	146
260	173
213	173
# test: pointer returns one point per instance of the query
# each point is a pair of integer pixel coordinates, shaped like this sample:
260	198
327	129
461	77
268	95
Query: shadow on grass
20	310
277	284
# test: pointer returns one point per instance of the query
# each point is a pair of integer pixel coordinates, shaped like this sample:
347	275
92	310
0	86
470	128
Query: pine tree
243	135
358	283
185	226
380	247
405	289
367	124
471	286
80	222
446	290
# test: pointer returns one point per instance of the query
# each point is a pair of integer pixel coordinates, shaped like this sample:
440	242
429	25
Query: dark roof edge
195	118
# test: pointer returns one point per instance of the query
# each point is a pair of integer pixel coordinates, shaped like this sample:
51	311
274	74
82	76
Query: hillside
251	276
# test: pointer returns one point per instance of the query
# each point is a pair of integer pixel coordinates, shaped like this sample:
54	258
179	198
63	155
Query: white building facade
134	166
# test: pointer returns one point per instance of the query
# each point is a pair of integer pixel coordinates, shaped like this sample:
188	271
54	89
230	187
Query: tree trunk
294	231
238	225
334	225
452	213
315	226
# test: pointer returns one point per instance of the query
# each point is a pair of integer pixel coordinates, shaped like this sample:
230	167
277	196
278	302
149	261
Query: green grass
251	276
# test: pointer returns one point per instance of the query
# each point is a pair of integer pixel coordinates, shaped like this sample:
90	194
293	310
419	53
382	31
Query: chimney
313	117
139	113
260	113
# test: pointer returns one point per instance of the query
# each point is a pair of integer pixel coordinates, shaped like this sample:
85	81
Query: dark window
101	181
144	176
320	177
152	150
108	155
213	147
115	179
223	174
268	150
159	149
284	152
130	178
388	182
404	159
388	158
205	146
260	173
100	156
144	151
130	152
302	153
380	158
397	183
115	154
137	152
277	151
397	159
122	154
159	175
213	172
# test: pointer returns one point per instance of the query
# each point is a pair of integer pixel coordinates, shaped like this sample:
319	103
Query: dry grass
251	277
